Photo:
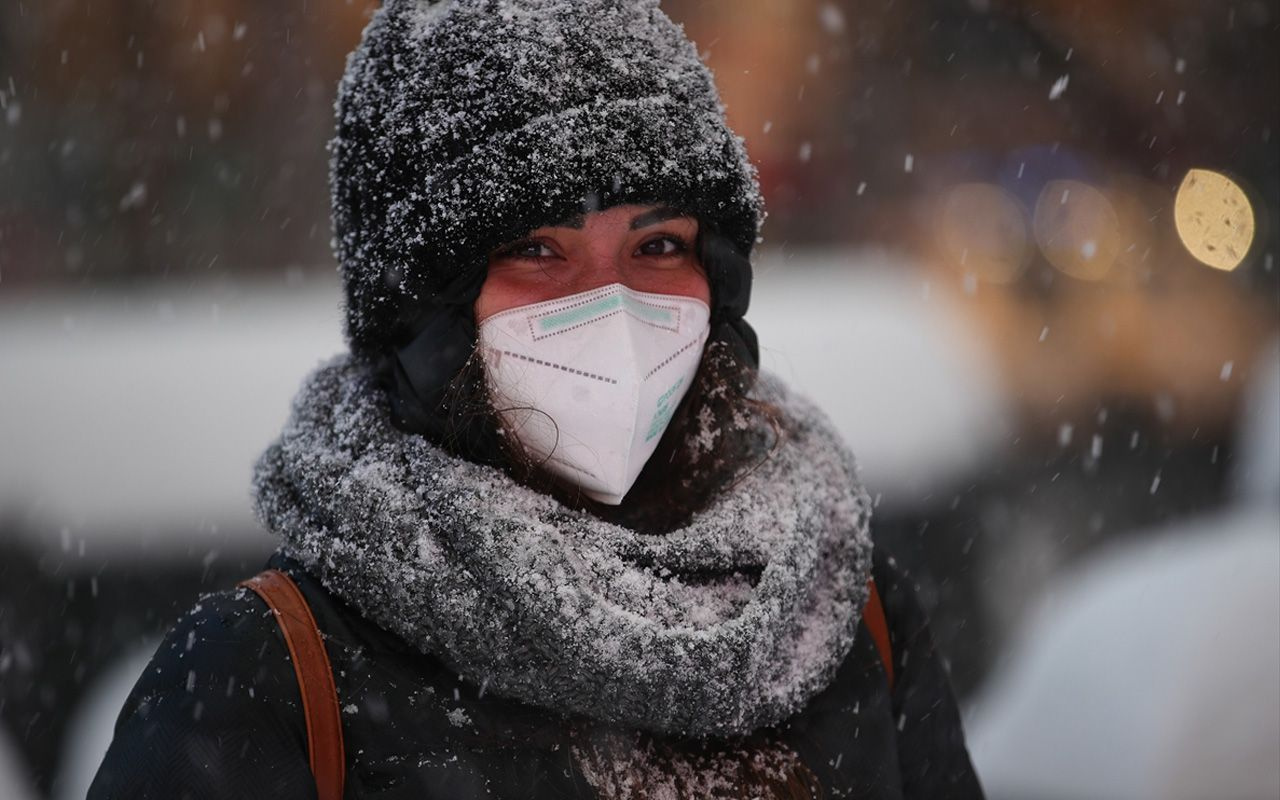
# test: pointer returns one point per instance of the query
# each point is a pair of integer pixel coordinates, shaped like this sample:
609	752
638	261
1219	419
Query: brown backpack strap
315	678
873	617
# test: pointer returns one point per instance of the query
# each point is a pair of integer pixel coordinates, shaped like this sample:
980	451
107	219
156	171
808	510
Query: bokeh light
983	231
1077	229
1214	219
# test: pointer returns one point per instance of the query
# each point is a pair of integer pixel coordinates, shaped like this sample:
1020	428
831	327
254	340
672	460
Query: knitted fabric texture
464	124
727	625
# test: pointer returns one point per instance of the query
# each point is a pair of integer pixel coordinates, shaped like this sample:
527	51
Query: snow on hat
463	124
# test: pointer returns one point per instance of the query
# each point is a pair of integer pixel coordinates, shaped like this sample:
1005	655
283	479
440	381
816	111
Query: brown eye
528	249
662	246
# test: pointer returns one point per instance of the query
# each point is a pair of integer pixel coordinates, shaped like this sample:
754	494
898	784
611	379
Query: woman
560	539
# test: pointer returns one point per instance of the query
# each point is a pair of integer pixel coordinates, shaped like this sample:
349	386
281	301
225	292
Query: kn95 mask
587	384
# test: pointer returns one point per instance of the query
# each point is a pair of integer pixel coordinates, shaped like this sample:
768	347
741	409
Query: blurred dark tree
152	139
148	139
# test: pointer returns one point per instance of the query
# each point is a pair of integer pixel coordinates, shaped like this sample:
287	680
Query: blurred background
1023	252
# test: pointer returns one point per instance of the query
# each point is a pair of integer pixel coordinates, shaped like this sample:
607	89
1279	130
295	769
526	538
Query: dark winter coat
217	714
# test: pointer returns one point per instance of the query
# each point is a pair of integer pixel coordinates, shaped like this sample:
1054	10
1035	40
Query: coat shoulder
932	754
227	644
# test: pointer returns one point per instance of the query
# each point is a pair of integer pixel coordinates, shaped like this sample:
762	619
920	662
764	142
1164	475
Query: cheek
501	292
488	302
699	288
688	279
687	282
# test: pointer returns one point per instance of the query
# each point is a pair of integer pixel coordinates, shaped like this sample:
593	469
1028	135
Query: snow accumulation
891	360
1257	475
129	415
92	725
1154	670
15	783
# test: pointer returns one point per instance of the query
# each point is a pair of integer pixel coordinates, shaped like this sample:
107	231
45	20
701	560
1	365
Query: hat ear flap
435	389
729	273
418	375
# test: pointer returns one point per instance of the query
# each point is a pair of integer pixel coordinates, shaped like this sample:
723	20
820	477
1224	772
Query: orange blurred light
1077	229
982	230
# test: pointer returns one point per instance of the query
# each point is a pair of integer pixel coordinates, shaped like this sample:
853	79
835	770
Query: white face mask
588	383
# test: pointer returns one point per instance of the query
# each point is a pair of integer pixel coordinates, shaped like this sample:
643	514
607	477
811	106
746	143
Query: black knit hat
463	124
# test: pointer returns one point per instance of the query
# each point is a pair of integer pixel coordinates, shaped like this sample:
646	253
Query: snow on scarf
557	608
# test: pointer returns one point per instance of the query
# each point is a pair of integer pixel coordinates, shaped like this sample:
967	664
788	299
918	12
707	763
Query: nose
604	264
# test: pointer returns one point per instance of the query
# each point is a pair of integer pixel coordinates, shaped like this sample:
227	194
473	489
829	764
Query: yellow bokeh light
1214	219
1077	229
983	231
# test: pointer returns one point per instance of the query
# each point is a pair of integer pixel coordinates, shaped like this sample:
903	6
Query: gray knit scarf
554	607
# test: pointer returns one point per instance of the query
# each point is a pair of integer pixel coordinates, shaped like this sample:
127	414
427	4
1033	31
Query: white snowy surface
1257	474
92	726
1154	670
893	361
15	783
141	413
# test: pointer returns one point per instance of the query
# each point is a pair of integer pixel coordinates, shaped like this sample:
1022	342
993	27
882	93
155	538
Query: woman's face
645	248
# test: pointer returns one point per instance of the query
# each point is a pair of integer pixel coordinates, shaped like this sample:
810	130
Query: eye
665	245
531	249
